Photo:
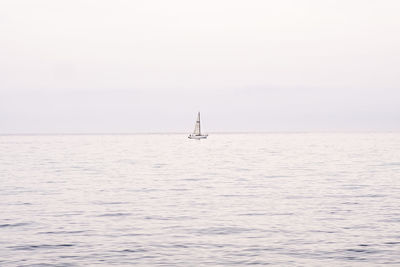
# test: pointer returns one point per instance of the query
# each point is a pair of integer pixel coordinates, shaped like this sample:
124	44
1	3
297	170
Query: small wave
131	250
253	214
192	179
275	176
137	234
156	218
392	243
282	214
353	258
371	195
179	189
158	166
110	202
300	197
236	195
223	230
350	203
62	232
12	224
356	250
323	231
21	204
44	246
114	214
361	250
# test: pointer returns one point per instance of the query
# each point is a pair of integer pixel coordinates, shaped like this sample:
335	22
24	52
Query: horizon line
218	132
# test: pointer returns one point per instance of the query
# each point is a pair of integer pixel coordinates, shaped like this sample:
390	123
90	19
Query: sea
279	199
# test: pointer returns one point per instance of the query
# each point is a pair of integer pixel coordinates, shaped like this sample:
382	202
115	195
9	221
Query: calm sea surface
233	199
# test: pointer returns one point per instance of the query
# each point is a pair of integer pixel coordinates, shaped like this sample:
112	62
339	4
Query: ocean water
233	199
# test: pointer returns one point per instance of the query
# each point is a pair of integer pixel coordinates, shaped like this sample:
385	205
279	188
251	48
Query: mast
198	121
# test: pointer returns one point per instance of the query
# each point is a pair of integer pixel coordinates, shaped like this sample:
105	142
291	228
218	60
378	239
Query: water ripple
13	224
43	246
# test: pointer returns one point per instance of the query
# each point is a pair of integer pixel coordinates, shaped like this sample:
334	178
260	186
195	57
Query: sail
197	125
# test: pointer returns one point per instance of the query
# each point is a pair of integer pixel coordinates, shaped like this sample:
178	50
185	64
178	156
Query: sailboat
197	130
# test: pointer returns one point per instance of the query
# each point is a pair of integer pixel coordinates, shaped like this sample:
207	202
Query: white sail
197	126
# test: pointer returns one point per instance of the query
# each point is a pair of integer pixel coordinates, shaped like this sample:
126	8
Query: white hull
192	136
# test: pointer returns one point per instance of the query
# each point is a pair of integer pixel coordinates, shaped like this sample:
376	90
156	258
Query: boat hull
198	137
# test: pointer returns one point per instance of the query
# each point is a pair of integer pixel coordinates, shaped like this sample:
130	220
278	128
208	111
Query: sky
113	66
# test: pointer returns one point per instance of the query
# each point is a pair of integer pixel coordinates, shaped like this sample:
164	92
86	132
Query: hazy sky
82	66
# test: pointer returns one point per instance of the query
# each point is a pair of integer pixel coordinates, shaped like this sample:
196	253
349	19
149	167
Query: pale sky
100	66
